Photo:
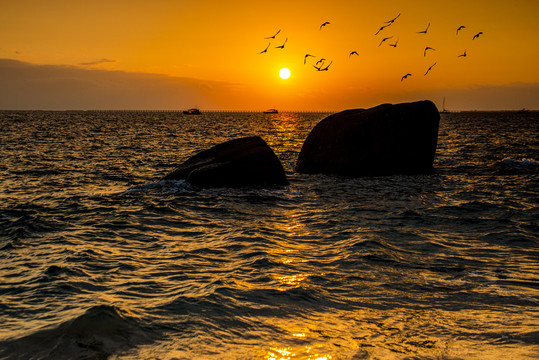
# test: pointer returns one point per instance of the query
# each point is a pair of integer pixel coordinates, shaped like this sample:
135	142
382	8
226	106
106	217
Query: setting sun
284	73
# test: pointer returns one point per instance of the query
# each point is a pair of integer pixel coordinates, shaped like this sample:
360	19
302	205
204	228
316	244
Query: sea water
101	260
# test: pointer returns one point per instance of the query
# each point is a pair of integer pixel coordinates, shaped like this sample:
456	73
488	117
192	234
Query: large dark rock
387	139
244	162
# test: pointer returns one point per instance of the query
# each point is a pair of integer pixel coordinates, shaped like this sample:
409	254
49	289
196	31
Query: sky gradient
63	55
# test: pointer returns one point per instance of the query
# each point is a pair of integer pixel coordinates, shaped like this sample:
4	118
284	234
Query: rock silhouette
243	162
384	140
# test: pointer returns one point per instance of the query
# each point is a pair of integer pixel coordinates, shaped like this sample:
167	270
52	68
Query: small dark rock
244	162
384	140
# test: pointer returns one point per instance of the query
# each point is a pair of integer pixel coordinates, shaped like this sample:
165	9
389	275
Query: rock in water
384	140
244	162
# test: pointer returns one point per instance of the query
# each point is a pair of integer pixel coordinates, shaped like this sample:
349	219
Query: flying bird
463	55
266	49
384	39
282	46
424	31
395	44
460	28
305	59
393	20
273	37
477	35
326	68
321	62
353	53
381	28
324	24
430	68
405	76
427	48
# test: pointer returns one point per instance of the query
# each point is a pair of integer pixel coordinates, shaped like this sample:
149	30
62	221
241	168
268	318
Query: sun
284	73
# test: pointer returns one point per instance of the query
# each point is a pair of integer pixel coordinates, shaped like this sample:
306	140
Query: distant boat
444	110
192	111
523	111
271	111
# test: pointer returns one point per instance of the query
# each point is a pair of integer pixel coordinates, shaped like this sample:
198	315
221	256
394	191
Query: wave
524	165
162	186
100	332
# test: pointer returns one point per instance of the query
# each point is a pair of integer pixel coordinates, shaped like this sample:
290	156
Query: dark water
98	260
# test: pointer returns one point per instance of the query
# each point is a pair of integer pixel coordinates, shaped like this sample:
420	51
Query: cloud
27	86
97	62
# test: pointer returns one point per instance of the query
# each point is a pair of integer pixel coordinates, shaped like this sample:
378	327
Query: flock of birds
320	64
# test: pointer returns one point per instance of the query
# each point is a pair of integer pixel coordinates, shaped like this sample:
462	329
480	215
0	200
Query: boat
192	111
271	111
523	111
444	110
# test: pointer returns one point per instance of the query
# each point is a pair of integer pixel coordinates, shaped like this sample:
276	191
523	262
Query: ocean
101	260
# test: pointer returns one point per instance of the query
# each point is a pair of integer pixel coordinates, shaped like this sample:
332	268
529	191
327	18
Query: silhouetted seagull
273	37
462	55
321	62
477	35
384	39
319	68
393	20
427	48
395	44
405	76
305	59
353	53
430	68
282	46
326	68
460	28
424	31
382	28
266	49
324	24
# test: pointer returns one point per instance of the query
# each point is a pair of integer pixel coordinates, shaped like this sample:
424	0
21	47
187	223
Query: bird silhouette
384	39
321	62
273	37
319	68
463	55
460	28
477	35
430	68
353	53
381	28
427	48
424	31
393	20
395	44
326	68
282	46
305	59
324	24
405	76
266	49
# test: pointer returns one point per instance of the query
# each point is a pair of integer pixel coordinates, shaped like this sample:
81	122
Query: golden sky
206	53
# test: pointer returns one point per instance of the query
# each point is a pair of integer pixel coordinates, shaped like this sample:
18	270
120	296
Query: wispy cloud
50	87
97	62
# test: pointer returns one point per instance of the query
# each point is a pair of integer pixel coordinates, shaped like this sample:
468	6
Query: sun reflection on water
288	354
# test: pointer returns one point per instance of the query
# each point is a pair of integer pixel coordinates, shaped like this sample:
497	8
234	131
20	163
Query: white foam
163	186
523	163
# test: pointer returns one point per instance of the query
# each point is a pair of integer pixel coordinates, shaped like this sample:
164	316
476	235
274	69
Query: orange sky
168	54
